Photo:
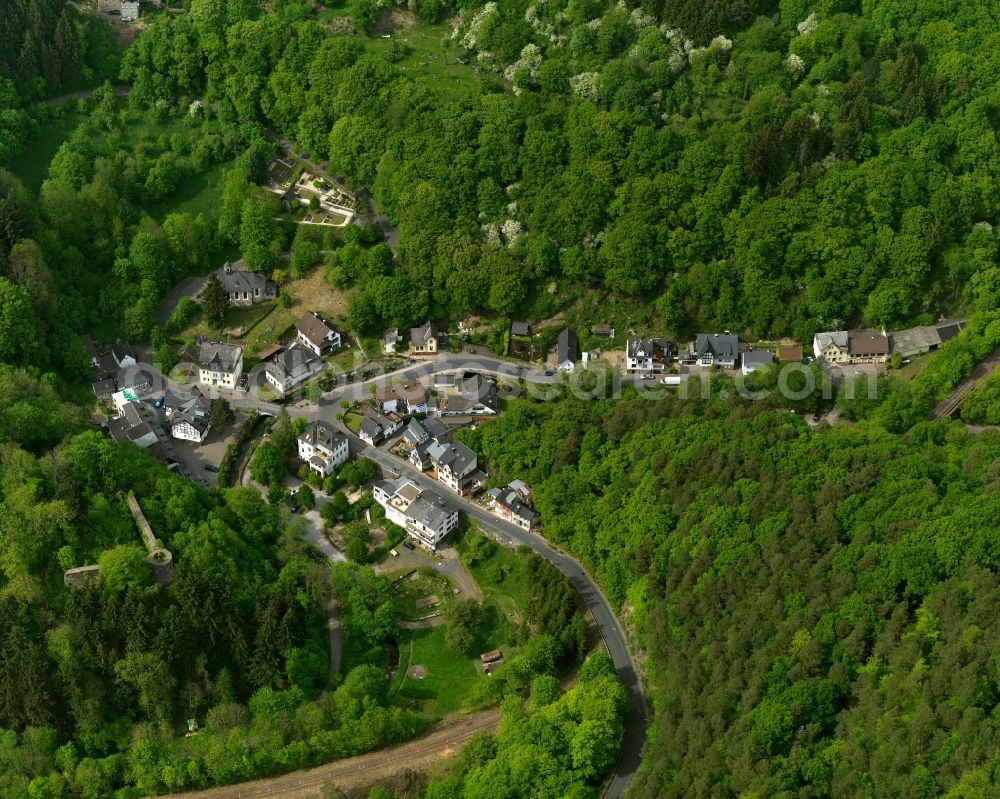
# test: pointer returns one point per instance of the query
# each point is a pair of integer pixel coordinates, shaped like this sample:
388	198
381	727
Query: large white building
220	365
322	448
426	516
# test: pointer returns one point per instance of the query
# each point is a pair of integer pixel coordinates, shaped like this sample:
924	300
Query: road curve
352	772
637	714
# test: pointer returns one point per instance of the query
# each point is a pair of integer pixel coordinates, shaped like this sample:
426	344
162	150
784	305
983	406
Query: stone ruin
159	559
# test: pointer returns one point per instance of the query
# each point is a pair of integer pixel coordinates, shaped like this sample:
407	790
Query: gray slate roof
219	357
718	344
320	433
567	347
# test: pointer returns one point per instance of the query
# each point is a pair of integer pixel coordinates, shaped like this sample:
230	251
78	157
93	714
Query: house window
256	292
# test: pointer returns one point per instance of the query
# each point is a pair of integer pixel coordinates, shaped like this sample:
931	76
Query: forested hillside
818	609
779	167
45	49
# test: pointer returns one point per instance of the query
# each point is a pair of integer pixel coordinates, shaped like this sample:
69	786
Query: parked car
409	545
549	373
648	377
210	468
158	403
816	417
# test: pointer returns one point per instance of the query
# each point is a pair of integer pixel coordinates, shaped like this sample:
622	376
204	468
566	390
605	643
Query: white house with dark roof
426	516
123	353
456	466
476	396
716	349
753	360
831	346
316	333
219	364
377	426
291	367
188	419
243	287
322	448
649	355
567	350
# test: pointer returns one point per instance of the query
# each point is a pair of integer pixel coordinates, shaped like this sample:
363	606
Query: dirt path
85	94
441	742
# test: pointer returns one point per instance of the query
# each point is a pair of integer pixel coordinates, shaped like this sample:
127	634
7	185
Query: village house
868	347
421	435
649	355
317	334
424	340
123	354
716	349
219	364
403	399
188	418
602	331
510	505
522	329
567	350
130	426
831	346
104	389
243	287
135	380
843	347
322	448
426	516
491	661
291	367
476	396
752	360
456	466
377	426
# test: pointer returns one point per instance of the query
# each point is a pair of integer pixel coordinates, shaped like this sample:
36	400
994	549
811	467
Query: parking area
195	457
445	561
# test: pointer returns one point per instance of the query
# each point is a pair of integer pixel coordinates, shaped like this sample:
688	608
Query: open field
450	679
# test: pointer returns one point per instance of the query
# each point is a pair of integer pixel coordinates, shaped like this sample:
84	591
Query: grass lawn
32	164
906	373
450	680
197	194
426	55
353	421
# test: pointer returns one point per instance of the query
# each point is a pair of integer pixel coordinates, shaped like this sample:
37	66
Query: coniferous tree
215	302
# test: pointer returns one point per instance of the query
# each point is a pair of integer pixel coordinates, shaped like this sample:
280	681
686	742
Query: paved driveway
186	288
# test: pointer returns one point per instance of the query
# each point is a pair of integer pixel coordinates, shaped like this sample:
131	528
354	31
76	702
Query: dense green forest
45	50
818	609
779	167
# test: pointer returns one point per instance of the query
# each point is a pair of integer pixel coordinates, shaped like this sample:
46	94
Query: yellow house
424	340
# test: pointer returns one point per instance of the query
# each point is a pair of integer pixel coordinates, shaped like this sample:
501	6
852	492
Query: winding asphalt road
637	714
536	382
